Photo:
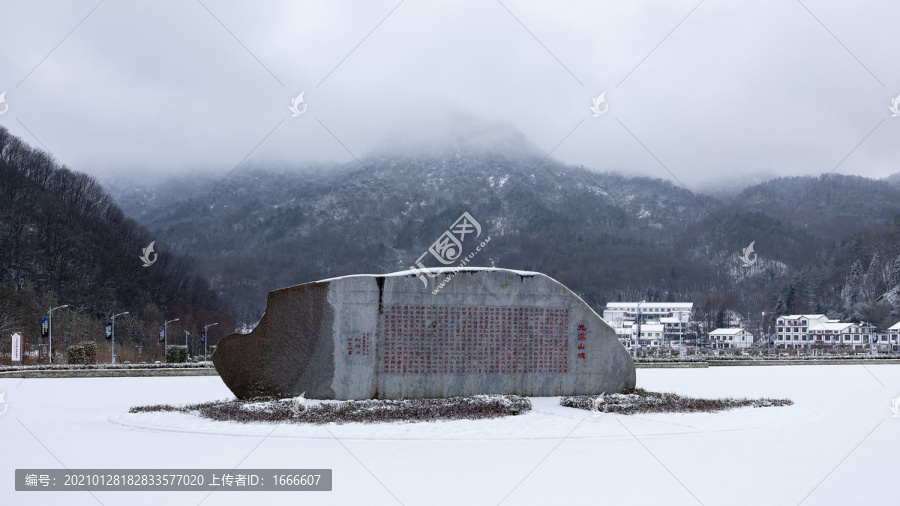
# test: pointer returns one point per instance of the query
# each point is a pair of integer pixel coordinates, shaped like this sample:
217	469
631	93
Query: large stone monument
488	331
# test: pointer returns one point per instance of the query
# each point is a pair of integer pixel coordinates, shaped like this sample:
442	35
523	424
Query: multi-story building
844	334
652	334
669	321
791	330
892	337
801	331
625	335
730	338
675	330
618	312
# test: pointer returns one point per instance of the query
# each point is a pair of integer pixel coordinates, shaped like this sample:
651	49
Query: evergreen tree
780	308
873	284
789	302
853	287
895	272
720	317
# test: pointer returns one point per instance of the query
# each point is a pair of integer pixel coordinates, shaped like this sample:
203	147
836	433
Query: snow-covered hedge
763	358
366	411
63	367
641	401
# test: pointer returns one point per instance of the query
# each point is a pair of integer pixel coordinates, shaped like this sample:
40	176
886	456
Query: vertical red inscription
476	340
581	340
359	345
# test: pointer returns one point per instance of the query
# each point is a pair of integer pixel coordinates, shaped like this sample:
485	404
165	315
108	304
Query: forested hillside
64	240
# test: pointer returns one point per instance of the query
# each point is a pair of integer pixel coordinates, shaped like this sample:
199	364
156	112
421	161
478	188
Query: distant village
660	325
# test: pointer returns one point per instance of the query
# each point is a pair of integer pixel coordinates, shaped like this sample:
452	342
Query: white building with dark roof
730	338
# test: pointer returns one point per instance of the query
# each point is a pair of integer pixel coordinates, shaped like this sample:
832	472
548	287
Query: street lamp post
186	334
113	328
166	335
638	329
50	329
205	338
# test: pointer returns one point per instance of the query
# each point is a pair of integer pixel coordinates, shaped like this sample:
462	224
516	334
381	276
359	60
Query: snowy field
838	444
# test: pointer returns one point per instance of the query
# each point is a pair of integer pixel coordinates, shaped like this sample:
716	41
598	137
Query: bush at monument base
490	331
176	354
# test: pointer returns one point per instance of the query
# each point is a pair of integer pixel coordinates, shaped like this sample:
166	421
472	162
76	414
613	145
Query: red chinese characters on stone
581	339
359	345
475	340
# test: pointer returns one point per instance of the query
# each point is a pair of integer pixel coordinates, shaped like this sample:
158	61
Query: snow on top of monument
435	270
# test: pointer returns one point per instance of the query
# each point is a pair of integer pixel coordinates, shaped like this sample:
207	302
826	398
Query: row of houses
659	324
802	331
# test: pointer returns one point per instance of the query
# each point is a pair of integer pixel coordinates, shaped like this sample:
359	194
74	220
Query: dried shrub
75	354
176	355
367	411
636	401
90	352
83	353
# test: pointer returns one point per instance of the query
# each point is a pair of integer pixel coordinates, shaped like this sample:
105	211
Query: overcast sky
695	91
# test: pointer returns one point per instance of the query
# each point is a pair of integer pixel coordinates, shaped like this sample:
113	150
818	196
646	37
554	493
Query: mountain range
607	236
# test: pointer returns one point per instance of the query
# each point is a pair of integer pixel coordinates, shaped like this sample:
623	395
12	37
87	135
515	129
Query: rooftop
726	332
652	305
807	316
829	326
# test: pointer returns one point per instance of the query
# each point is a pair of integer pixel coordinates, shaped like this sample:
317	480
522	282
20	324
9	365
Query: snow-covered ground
838	444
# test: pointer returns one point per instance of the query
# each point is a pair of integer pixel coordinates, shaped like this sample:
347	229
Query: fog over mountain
697	92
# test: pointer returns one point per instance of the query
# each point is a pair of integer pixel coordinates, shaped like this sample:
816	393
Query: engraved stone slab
488	331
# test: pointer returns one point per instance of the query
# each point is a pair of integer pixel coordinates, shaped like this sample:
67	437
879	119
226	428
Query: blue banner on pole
162	334
202	337
45	327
